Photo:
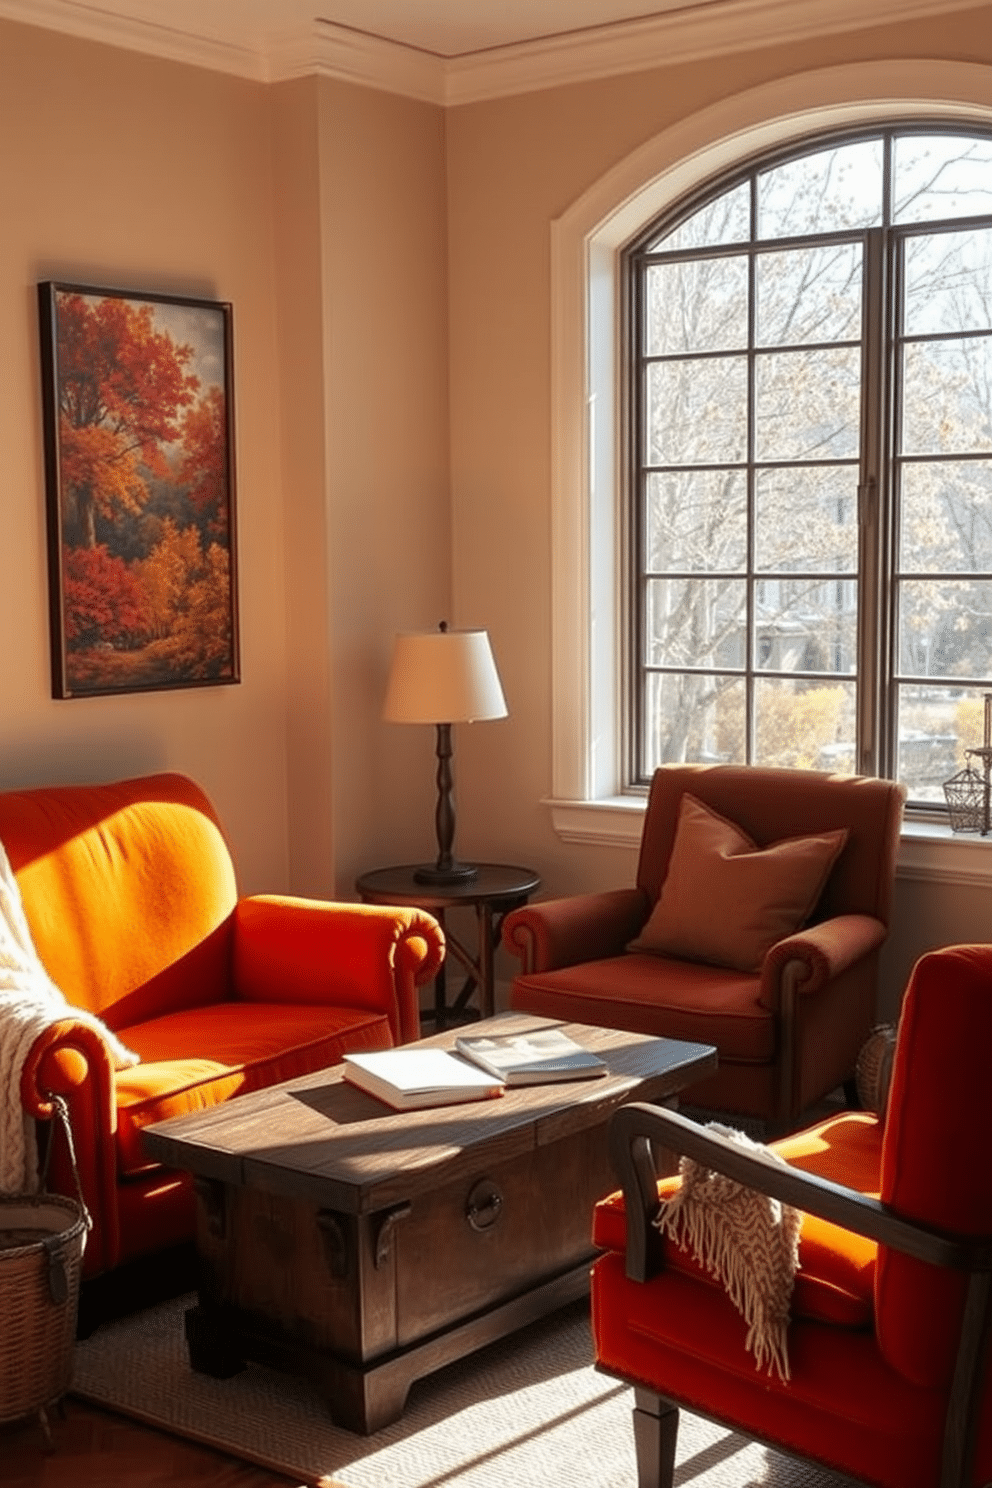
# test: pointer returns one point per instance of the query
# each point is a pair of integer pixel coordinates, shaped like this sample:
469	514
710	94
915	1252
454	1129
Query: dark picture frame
137	401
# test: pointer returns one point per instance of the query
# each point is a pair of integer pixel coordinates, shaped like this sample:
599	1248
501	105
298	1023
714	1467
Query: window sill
928	850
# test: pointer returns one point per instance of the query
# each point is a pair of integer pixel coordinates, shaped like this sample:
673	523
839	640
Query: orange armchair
130	895
888	1341
788	1027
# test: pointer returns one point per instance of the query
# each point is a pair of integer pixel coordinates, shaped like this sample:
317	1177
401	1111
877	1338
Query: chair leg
656	1429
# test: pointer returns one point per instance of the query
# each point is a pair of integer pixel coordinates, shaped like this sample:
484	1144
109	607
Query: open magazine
531	1058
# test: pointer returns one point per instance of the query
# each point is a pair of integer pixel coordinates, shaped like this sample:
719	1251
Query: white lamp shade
443	677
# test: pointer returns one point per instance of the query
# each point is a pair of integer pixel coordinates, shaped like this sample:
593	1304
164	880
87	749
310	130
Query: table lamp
444	677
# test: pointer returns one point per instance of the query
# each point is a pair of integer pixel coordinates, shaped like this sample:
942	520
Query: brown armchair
888	1337
787	1027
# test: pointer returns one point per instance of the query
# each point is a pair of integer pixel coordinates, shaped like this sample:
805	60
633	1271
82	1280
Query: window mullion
635	669
873	744
750	738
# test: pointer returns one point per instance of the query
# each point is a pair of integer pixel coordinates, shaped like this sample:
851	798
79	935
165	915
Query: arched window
808	480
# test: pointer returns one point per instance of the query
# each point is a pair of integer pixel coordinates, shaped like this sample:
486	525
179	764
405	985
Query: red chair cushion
842	1406
198	1058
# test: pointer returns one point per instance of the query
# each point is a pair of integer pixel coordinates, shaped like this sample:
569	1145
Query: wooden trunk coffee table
366	1247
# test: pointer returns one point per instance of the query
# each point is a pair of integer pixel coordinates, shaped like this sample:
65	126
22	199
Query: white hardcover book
411	1078
532	1058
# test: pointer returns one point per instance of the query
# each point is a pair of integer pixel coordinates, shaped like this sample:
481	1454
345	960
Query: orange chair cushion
129	891
199	1058
727	902
836	1276
648	994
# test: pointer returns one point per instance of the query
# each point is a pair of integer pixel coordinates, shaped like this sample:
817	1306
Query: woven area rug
527	1412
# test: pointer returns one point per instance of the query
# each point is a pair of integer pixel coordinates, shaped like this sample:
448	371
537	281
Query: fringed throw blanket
29	1003
746	1239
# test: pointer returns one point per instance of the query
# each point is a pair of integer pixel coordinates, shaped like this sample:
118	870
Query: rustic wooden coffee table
366	1247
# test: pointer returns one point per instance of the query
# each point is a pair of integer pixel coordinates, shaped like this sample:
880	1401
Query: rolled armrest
70	1058
352	955
635	1127
563	932
821	952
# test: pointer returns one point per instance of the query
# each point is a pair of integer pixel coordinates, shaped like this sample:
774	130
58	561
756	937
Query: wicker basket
41	1248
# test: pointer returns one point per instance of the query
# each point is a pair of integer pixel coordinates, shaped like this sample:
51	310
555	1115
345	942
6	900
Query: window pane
697	411
804	725
829	191
945	628
700	305
949	282
806	519
695	622
693	718
947	396
809	294
696	519
939	176
929	742
947	517
808	404
801	626
725	220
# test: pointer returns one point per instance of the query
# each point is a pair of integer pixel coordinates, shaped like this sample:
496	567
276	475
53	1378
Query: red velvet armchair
788	1025
131	899
888	1341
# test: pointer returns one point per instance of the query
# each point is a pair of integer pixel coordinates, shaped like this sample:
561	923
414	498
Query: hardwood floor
93	1448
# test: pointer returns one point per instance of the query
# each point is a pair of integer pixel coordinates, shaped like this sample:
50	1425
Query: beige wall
120	170
362	283
318	210
386	415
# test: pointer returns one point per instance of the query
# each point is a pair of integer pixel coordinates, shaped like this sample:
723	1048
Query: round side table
496	889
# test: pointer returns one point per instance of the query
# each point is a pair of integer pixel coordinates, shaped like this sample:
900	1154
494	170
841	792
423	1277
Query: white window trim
586	802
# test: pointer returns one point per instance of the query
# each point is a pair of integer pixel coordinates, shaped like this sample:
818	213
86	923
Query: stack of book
415	1077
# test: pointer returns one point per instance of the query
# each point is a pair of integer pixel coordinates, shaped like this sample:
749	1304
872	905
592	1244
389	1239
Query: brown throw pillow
727	901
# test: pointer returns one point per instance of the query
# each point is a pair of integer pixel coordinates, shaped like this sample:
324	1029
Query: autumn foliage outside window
139	467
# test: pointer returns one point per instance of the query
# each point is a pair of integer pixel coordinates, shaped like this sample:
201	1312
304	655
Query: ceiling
441	28
445	28
451	51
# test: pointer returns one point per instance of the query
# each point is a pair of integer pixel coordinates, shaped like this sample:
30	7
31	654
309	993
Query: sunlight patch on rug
528	1411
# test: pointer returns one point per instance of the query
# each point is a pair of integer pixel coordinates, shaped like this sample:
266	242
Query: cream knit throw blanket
746	1239
29	1002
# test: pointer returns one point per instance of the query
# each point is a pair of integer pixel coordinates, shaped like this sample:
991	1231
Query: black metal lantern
968	793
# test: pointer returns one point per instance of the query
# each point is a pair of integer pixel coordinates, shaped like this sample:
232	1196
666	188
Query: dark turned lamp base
446	869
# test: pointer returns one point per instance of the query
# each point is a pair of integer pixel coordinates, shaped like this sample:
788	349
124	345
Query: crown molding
219	53
679	36
328	50
323	49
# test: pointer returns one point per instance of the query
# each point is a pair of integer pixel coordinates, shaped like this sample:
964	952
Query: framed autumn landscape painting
139	465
